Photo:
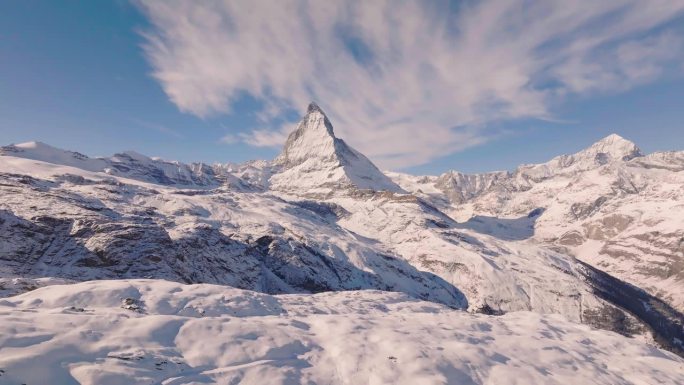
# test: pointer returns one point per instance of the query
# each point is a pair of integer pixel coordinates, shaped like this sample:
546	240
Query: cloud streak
405	82
158	127
260	137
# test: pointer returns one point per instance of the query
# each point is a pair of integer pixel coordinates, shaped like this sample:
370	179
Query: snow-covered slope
82	225
158	332
608	205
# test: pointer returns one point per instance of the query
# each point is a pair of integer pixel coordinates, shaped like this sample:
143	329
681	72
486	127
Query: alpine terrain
319	268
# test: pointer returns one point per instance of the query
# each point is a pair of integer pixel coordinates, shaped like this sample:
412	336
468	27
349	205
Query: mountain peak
313	138
615	147
612	148
36	145
613	138
313	157
313	106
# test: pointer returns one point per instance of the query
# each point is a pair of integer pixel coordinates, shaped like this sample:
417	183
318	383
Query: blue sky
214	83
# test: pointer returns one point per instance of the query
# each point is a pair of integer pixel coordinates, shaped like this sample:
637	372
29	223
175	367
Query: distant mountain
322	217
609	205
128	164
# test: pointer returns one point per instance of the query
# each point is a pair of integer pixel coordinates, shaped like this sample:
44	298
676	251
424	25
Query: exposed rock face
459	187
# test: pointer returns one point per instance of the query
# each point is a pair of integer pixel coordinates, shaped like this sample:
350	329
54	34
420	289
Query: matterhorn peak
313	138
313	158
313	106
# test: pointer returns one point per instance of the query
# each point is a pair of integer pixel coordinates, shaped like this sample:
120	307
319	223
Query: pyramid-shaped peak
315	119
313	157
314	107
616	147
614	138
313	138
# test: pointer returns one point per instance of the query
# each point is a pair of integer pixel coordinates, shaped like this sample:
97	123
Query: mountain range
596	237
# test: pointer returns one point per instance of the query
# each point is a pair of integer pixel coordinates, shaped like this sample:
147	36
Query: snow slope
158	332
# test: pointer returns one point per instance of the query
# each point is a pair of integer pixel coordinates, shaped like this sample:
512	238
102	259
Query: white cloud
266	137
158	127
405	82
259	137
230	139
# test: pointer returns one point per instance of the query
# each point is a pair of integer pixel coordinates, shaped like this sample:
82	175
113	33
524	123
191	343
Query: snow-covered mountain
362	233
315	162
321	217
609	205
128	164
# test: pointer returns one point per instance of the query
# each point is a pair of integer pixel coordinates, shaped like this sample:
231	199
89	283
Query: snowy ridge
608	205
127	164
46	153
612	148
158	332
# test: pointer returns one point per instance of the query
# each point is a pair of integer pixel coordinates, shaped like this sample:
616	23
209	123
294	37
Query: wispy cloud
408	81
259	137
158	127
267	137
230	139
